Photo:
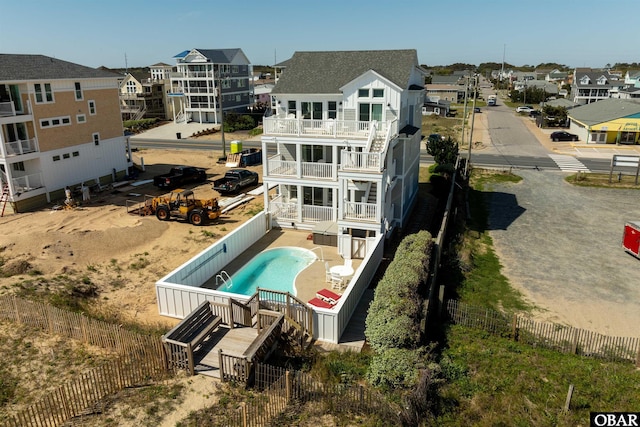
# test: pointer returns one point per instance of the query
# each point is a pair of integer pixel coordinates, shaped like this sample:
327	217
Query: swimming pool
274	269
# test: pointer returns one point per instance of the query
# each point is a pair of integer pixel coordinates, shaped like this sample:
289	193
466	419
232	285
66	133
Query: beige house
60	125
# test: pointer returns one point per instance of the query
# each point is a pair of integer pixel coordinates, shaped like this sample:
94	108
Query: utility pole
473	117
224	145
464	114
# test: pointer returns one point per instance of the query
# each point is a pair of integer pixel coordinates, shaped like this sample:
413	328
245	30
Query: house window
226	84
242	83
43	95
238	98
56	158
363	93
55	121
18	166
48	93
81	118
235	69
75	154
331	110
78	91
370	112
131	86
378	93
96	138
292	107
66	156
627	137
45	123
92	108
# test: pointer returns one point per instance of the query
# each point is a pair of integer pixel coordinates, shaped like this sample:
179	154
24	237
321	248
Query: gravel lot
561	246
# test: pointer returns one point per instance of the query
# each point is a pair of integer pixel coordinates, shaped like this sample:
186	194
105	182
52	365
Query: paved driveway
561	246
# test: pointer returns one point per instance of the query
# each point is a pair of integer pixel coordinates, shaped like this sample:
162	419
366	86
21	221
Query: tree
444	151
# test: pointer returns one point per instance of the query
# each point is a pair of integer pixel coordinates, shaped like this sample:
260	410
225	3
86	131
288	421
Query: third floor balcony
329	128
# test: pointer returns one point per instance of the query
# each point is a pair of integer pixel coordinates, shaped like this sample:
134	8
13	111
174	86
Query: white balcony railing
288	211
360	211
277	166
23	184
17	148
324	128
316	170
312	213
352	160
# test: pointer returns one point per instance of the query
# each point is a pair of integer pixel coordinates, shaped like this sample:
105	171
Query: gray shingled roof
40	67
327	72
604	111
219	56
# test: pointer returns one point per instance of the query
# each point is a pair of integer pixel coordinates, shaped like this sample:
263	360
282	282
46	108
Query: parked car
476	110
563	136
525	109
235	180
179	176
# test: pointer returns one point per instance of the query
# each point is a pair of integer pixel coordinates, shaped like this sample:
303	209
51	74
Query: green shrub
396	368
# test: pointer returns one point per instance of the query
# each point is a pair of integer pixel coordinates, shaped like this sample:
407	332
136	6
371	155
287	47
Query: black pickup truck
235	180
178	176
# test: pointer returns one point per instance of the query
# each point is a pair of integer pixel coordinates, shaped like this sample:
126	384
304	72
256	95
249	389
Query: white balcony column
299	161
3	147
335	155
299	201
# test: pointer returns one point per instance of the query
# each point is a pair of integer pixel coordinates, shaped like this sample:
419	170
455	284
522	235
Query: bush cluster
393	320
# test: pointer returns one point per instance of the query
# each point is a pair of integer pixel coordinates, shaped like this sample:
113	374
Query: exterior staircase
4	198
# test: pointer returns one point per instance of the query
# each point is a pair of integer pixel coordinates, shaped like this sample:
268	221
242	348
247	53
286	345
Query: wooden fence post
638	358
221	365
567	402
514	327
15	305
243	405
574	344
287	381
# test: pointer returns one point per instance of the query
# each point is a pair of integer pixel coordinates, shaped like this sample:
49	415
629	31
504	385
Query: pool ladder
321	252
220	278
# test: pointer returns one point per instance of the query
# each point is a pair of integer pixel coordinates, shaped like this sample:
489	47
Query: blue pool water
274	269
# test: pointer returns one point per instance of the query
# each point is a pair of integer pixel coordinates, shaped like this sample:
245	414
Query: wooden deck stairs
4	198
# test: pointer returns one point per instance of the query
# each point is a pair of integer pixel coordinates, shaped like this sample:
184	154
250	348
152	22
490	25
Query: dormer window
602	80
585	80
363	93
378	93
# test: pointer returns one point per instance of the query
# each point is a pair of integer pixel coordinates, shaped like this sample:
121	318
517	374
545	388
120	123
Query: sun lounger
328	296
317	302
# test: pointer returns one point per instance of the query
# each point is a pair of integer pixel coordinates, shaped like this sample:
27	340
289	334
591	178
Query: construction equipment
183	204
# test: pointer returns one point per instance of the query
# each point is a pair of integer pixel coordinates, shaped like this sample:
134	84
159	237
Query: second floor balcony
278	166
18	148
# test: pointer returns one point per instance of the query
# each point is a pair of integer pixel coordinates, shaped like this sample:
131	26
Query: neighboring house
199	74
346	131
557	76
442	92
161	72
142	98
262	94
609	121
630	93
440	108
521	76
550	88
60	126
448	80
591	85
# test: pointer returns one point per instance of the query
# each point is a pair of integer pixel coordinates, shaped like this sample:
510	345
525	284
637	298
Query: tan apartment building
60	126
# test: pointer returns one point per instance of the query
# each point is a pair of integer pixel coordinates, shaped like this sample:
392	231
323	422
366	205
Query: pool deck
311	279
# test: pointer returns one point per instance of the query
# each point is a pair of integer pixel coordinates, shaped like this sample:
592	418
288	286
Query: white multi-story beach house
60	125
199	74
346	131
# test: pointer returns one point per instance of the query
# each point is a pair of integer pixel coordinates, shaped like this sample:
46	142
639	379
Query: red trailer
631	238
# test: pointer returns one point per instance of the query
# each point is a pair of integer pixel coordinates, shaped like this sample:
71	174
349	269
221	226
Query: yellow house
610	121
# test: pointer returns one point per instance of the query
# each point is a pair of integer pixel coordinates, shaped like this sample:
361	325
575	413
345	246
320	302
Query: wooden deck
232	341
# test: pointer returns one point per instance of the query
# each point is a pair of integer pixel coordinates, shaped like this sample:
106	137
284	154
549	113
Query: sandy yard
103	247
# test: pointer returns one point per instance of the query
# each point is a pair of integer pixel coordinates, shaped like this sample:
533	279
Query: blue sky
576	33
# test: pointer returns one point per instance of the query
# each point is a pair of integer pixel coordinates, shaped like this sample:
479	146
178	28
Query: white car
525	109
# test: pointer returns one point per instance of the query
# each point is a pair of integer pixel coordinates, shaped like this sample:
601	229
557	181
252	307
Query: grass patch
494	381
602	180
483	283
